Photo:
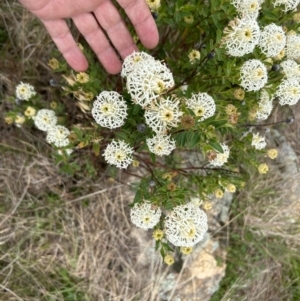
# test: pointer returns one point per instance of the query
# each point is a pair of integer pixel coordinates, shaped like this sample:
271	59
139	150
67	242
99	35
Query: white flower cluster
288	4
254	75
241	36
25	91
161	145
132	62
247	7
221	158
146	78
258	141
265	106
288	92
291	69
144	215
185	225
272	40
293	46
118	153
163	114
109	109
46	120
58	135
202	104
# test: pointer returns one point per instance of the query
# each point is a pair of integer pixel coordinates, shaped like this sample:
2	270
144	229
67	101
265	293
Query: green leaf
136	109
181	138
96	148
217	146
121	135
216	123
193	139
142	147
153	158
157	244
138	196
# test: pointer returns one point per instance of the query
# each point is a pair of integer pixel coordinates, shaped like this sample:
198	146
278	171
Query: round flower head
45	119
288	4
218	193
148	81
110	109
241	36
291	69
296	17
186	250
202	104
169	259
158	234
53	64
24	91
58	135
162	115
153	4
161	145
258	141
185	225
20	119
247	7
239	94
133	61
144	215
231	188
293	46
272	40
272	153
194	56
220	158
288	92
254	75
263	168
118	153
189	19
265	106
30	112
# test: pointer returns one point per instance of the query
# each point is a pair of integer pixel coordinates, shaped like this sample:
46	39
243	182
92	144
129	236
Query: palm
59	9
53	12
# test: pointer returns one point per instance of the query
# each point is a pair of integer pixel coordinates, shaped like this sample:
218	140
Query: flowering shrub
204	94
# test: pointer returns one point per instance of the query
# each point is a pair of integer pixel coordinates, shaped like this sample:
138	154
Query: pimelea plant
187	119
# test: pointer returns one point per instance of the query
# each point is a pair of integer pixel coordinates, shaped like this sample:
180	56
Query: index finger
142	20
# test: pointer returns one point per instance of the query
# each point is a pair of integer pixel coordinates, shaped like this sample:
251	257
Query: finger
111	21
142	20
97	40
61	35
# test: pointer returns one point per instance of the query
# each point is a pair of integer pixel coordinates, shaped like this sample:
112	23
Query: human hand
87	15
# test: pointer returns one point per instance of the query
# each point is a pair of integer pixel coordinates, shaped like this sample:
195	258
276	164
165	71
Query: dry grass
53	240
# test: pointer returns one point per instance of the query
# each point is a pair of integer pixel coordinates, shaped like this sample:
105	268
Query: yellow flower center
167	115
120	156
294	91
199	111
158	86
147	219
